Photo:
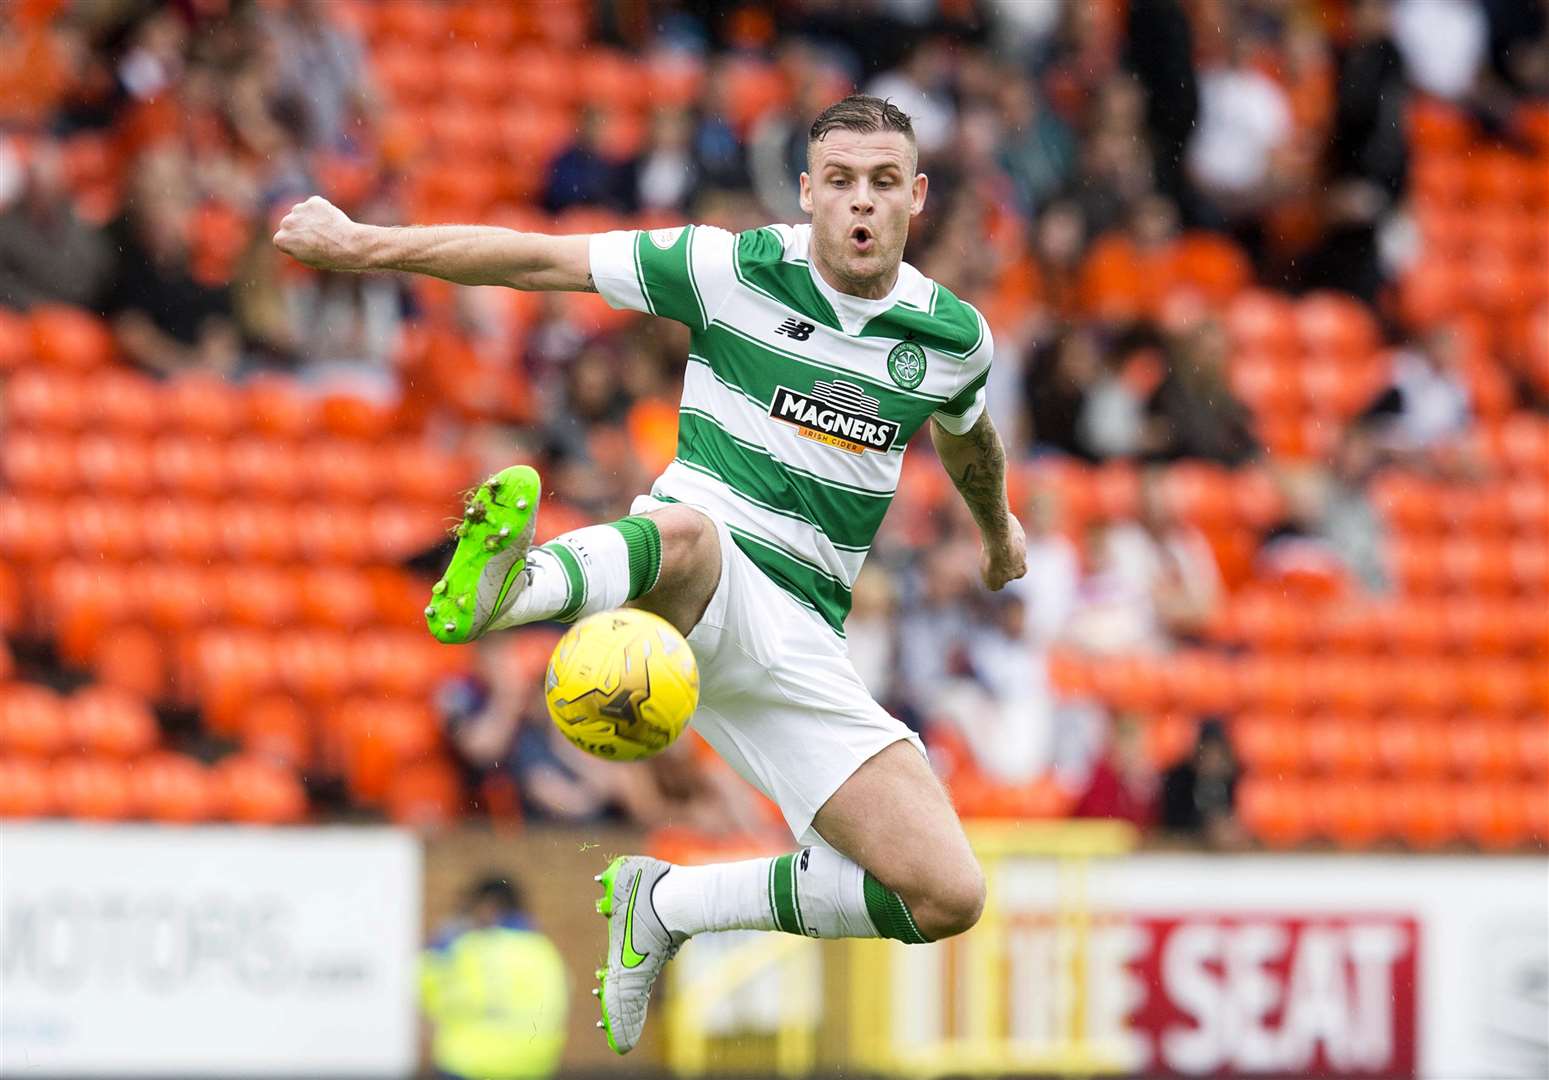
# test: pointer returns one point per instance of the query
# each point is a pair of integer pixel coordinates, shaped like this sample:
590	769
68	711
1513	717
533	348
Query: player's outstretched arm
976	461
321	235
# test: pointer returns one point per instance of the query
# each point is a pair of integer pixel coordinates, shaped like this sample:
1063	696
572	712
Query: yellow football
622	684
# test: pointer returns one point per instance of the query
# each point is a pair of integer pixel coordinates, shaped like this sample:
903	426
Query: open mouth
862	238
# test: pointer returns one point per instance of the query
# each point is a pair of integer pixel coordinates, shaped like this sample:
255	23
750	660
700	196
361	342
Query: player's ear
806	193
917	203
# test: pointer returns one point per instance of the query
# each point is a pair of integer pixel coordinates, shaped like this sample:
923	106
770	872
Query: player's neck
862	288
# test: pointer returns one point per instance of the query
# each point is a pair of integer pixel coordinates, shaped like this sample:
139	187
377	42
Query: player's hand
1004	558
318	233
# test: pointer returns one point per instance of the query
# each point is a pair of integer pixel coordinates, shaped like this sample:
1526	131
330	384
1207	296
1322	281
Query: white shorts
779	699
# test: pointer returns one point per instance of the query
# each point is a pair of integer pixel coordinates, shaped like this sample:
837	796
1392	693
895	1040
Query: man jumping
815	354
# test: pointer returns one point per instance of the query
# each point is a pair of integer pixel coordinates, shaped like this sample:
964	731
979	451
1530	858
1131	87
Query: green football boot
485	574
639	946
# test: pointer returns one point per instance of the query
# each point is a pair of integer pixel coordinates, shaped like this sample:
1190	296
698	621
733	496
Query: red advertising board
1295	995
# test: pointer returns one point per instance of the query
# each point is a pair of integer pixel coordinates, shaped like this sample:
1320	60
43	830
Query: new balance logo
795	329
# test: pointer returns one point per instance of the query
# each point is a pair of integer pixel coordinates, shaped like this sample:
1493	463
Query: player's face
861	192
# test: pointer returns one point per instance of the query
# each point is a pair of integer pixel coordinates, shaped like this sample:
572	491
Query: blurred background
1257	755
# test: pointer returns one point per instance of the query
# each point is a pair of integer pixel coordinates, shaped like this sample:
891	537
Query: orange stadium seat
32	720
336	596
1495	817
70	338
133	659
204	405
408	73
279	407
36	397
36	461
184	464
425	794
92	788
1408	747
323	532
491	27
114	463
1482	749
1342	745
267	467
256	532
379	735
1270	744
542	78
259	596
25	791
181	528
313	663
1276	811
1422	813
276	727
1531	737
1347	811
257	792
173	789
125	401
110	722
1337	326
1264	322
15	340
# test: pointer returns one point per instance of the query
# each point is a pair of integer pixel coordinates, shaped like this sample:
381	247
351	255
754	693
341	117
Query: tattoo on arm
976	461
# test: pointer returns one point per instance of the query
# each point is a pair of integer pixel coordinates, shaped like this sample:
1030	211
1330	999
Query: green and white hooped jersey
798	400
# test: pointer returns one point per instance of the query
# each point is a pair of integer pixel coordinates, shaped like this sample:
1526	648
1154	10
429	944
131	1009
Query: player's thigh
690	567
893	818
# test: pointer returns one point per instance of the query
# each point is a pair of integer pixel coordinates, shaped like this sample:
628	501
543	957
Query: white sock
574	575
814	891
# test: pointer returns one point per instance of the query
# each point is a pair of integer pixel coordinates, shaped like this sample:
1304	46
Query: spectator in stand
934	625
1443	45
494	990
1116	168
1060	378
870	630
47	254
1053	577
323	64
1159	49
1331	533
666	174
922	87
1194	413
586	173
1115	611
1199	794
1123	784
1367	142
1037	150
166	320
1113	422
1245	126
1169	560
1425	409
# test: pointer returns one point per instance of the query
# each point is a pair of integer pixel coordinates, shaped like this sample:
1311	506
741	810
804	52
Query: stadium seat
25	791
15	340
336	596
38	398
204	405
32	720
313	663
124	401
1264	322
267	467
172	789
256	792
1268	744
259	596
1347	811
278	407
105	529
255	532
1496	817
1482	750
379	736
493	27
70	339
1336	326
38	462
1413	748
91	788
133	659
424	795
1275	811
110	722
117	464
189	465
275	727
1342	746
1421	813
181	528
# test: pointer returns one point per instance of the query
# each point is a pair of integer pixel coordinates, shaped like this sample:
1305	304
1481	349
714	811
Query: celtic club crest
906	363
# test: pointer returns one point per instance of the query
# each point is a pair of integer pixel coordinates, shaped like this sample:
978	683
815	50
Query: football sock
814	892
586	571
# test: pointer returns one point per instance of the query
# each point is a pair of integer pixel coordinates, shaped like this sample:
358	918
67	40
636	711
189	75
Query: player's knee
688	537
952	903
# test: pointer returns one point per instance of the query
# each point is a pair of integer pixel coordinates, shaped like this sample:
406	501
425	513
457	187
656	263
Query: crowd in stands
1223	246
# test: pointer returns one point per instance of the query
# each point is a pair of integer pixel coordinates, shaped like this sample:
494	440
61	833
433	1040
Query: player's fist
1004	559
319	234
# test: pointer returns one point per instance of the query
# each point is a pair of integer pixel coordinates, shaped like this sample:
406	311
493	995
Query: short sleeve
683	273
965	407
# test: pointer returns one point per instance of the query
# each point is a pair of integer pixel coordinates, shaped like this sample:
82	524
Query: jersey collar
854	312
